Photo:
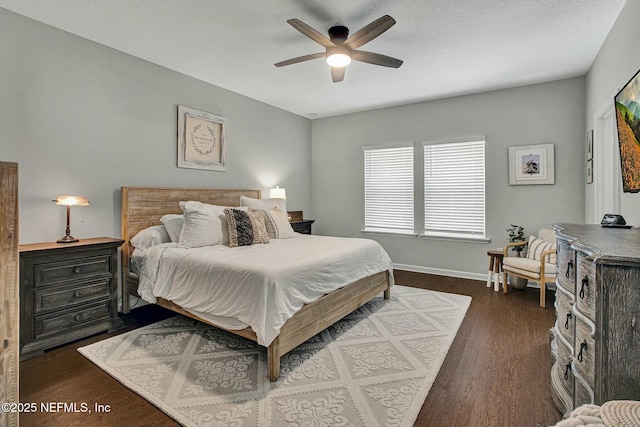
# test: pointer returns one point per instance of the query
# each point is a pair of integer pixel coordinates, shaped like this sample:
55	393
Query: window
454	177
388	189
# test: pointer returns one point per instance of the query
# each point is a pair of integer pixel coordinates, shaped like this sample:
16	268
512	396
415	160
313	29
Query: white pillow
278	225
266	204
150	236
173	224
204	225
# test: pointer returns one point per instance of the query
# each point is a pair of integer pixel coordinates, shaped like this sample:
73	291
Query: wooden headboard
143	207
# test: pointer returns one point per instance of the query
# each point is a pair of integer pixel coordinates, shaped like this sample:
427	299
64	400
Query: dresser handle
566	324
583	346
77	294
585	283
76	317
567	370
569	268
76	269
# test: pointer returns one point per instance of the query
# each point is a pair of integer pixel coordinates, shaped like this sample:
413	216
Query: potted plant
517	233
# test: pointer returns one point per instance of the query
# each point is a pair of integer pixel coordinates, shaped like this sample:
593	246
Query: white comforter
261	286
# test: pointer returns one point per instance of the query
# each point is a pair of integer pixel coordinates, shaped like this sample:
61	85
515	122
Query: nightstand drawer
53	298
63	321
80	268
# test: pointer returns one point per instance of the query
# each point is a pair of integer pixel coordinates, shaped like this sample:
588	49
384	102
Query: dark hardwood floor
496	372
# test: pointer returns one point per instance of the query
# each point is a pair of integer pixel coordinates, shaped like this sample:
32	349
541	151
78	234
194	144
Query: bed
142	207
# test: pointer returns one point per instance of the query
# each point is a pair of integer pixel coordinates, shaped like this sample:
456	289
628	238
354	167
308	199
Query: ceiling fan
341	49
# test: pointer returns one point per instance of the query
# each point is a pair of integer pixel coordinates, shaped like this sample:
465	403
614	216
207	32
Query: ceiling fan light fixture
338	56
338	60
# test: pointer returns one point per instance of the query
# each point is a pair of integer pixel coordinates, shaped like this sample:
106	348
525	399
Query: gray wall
617	61
84	119
538	114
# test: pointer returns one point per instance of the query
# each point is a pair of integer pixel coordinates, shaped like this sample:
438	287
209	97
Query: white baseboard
442	272
461	274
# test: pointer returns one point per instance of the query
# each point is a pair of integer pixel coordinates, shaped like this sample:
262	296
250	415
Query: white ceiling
449	47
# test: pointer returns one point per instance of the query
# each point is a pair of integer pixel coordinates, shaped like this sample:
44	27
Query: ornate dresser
595	345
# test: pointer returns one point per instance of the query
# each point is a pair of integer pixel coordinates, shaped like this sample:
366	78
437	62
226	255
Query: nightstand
68	291
302	226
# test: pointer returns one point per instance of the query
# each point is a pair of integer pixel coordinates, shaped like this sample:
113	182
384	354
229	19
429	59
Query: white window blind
388	189
454	193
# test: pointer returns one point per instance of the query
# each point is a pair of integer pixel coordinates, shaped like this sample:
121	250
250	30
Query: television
628	126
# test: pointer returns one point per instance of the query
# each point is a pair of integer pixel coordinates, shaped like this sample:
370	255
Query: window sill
456	237
410	234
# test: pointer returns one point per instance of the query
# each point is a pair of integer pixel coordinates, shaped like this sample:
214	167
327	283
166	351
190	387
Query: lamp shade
277	193
72	201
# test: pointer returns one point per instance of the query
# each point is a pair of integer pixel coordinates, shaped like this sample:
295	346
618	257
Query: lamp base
67	239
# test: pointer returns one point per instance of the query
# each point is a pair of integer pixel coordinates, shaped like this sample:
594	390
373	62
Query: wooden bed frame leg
273	361
125	302
387	293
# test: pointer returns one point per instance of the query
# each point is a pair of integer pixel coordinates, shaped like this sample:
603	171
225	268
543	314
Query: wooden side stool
495	268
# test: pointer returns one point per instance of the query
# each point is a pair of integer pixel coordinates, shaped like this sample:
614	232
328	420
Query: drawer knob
583	346
569	268
567	370
76	294
585	284
76	269
76	317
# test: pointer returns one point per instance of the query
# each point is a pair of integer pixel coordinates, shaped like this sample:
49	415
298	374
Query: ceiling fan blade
300	59
337	74
310	32
369	32
376	59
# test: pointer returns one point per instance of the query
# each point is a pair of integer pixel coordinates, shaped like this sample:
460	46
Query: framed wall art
202	140
531	164
590	171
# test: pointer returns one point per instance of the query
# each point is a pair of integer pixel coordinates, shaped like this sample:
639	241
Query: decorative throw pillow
266	204
245	228
204	225
150	236
173	223
277	223
538	246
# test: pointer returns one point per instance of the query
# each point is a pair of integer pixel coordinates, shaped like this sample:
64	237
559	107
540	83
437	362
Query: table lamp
69	201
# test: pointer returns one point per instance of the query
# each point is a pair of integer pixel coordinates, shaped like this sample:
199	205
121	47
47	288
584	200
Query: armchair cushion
538	246
527	267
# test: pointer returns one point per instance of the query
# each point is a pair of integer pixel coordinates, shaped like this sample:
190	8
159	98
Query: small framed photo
531	164
201	140
589	171
589	148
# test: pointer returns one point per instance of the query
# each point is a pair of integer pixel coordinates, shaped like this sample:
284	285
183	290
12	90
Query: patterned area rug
374	367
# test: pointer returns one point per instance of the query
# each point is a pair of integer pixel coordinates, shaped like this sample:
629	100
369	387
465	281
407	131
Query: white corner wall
617	61
537	114
84	119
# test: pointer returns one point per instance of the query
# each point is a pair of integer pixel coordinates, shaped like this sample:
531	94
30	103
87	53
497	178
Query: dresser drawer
586	286
566	266
51	298
62	321
562	380
79	268
565	321
584	347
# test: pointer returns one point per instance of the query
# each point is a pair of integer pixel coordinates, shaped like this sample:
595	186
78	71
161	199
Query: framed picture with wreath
202	140
531	164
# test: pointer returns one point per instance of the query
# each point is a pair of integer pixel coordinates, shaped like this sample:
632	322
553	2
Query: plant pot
517	282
